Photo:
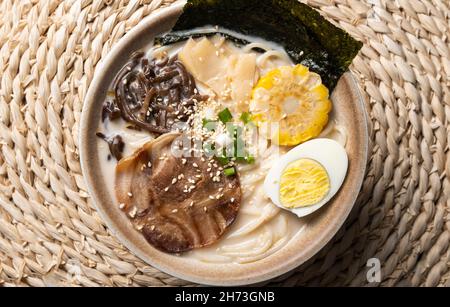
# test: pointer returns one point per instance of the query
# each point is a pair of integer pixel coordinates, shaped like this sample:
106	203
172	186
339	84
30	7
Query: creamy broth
260	228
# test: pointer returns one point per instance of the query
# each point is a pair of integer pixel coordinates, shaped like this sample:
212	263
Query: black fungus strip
110	110
153	95
115	144
127	114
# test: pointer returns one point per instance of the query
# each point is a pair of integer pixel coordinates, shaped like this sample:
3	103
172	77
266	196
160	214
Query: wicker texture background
50	233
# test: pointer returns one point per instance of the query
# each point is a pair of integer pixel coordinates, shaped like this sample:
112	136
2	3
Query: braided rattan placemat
50	233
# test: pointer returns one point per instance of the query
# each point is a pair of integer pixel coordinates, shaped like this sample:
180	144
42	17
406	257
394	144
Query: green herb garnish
246	117
250	159
209	148
205	121
223	160
229	171
209	124
225	116
234	130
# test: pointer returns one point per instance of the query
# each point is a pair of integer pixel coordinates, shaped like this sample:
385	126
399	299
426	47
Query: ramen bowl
321	226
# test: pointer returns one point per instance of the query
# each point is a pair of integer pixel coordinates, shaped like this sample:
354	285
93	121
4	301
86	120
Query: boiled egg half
308	176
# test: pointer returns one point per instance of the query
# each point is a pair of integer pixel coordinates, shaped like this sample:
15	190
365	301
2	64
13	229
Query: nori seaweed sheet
307	37
179	36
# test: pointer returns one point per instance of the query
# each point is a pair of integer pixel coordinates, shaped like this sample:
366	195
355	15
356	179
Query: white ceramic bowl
322	225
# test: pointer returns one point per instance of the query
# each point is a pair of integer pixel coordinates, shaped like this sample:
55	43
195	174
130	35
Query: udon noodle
261	229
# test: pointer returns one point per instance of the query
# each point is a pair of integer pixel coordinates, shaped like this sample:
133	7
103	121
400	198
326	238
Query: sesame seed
152	227
205	209
191	204
232	199
174	210
194	164
211	197
183	161
130	194
139	227
174	180
133	212
122	205
149	164
166	189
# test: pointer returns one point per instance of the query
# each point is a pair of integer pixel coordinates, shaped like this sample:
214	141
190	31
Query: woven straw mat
50	232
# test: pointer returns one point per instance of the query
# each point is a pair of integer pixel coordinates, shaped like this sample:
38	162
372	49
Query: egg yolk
303	183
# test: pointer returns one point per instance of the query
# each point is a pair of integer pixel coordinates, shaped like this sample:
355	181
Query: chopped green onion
206	121
229	171
209	148
246	117
223	160
209	124
250	159
225	116
239	159
247	159
234	130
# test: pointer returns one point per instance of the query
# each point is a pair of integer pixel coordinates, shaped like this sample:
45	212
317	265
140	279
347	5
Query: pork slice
175	202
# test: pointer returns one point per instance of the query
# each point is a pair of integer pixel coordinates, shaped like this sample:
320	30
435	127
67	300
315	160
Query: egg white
329	153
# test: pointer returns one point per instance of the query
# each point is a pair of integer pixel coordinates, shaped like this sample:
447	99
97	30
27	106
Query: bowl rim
192	276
